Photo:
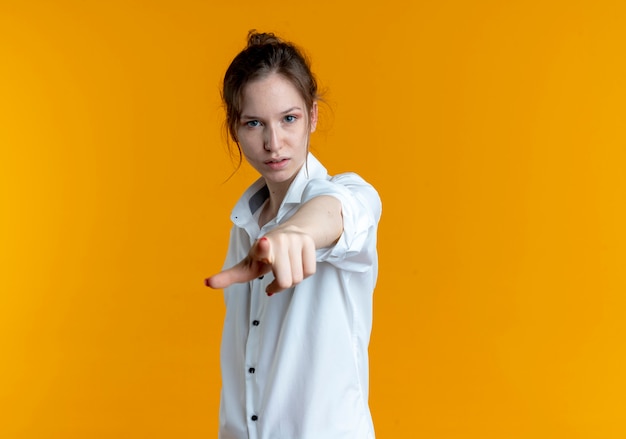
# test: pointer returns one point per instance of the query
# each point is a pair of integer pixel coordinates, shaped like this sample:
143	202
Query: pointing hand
287	252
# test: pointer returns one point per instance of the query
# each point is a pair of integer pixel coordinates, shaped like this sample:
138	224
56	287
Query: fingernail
206	282
269	294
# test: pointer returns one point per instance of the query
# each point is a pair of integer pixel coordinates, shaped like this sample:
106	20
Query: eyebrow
291	109
246	116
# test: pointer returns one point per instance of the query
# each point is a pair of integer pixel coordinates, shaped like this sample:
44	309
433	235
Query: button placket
257	305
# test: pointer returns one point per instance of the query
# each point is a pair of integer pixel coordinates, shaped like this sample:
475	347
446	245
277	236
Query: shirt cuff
360	208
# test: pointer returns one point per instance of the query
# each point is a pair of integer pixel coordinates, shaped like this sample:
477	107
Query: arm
320	218
289	249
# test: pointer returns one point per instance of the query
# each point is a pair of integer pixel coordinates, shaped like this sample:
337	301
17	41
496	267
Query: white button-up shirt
295	365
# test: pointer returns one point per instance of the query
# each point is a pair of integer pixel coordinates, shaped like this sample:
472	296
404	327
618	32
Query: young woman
301	264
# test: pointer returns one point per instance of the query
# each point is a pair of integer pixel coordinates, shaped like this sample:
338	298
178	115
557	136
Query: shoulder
350	179
351	189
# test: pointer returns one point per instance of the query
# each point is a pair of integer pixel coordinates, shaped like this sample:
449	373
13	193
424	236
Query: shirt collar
254	197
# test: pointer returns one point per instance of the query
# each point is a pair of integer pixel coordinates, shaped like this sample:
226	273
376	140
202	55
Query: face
274	129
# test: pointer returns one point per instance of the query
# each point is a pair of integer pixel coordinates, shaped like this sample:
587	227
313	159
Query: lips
277	163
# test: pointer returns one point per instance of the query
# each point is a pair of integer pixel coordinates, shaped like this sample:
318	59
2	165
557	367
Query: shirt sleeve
361	209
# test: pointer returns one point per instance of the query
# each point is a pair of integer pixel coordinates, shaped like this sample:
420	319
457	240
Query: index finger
252	266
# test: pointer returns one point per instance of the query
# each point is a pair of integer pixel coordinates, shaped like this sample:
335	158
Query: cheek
247	140
305	135
297	134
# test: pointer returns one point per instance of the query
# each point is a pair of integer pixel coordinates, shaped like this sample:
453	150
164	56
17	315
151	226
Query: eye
253	123
290	118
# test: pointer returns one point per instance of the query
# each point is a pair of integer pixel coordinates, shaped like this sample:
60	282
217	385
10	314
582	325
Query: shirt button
251	370
256	323
254	417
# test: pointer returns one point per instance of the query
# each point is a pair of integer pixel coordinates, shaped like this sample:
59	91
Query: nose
271	139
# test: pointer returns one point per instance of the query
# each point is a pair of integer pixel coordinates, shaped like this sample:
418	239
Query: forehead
272	93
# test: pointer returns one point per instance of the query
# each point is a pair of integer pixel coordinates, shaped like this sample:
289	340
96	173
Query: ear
313	116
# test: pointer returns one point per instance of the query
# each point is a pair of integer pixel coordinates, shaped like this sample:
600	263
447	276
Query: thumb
262	251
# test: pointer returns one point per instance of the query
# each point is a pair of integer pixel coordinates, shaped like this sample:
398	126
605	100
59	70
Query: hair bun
259	38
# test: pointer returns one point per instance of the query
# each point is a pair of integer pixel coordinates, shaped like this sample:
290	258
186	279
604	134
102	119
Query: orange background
493	130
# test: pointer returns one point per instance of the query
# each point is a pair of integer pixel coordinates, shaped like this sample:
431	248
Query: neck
271	206
277	193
